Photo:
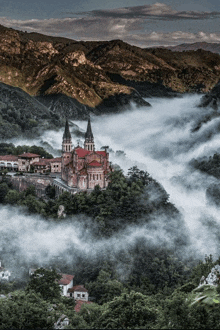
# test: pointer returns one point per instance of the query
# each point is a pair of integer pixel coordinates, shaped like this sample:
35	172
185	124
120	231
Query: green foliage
202	269
25	310
3	191
12	197
209	165
50	191
105	288
127	311
45	282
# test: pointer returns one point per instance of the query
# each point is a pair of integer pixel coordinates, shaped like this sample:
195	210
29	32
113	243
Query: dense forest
142	286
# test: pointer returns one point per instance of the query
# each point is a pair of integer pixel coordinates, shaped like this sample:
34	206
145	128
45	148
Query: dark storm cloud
156	11
148	25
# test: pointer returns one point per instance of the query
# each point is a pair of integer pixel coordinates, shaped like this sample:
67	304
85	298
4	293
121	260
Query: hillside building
82	168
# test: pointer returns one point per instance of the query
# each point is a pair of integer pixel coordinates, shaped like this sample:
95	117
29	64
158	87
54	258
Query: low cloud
128	24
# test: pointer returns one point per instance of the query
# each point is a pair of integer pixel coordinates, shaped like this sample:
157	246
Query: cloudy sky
140	22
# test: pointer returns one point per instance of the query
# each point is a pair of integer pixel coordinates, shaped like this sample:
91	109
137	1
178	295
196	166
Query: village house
79	292
9	162
44	165
65	283
4	273
26	160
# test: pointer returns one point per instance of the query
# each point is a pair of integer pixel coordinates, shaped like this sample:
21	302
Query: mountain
77	77
22	114
211	47
212	99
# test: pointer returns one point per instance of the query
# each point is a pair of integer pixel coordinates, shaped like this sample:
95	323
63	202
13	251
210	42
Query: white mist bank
157	139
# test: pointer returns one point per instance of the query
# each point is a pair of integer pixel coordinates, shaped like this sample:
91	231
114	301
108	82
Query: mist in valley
161	140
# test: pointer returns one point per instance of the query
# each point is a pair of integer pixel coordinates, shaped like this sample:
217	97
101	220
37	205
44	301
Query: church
84	168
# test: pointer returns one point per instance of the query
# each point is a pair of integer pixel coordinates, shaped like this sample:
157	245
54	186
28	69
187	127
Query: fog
161	140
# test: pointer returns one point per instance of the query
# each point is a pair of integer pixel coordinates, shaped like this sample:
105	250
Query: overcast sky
141	22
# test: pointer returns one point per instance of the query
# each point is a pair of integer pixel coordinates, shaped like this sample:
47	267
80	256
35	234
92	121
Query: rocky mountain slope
212	99
211	47
99	76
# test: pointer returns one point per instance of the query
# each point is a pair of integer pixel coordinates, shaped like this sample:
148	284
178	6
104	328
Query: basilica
84	168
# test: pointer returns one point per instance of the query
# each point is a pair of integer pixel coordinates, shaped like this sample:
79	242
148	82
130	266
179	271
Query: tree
128	311
25	310
105	288
45	282
12	197
3	191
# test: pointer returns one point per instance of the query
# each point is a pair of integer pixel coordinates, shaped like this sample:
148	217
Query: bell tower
67	140
89	140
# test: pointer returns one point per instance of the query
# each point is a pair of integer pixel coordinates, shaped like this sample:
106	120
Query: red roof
95	163
66	279
55	160
28	155
9	158
78	288
82	152
42	162
103	153
79	304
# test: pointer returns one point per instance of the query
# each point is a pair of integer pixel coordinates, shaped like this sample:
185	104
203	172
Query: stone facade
84	168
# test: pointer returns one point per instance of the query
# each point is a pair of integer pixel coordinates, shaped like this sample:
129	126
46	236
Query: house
4	273
83	168
55	165
26	160
9	162
79	292
42	166
66	282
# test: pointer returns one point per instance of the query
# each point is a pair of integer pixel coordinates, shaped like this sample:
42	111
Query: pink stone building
84	168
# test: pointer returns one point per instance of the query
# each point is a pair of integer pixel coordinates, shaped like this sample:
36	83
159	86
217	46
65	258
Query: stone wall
40	182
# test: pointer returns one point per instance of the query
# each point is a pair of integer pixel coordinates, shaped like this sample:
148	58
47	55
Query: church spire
89	140
67	140
66	134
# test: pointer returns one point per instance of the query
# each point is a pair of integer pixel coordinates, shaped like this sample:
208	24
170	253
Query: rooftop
28	155
11	158
94	163
66	279
79	288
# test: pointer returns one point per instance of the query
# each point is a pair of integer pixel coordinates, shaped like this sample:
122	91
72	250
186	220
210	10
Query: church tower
67	140
89	140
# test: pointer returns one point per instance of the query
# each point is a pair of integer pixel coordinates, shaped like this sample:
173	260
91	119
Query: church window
90	176
93	176
97	176
100	176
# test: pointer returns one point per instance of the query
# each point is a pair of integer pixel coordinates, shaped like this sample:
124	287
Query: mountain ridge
80	69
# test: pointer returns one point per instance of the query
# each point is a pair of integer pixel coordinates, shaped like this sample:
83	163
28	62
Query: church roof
82	152
66	134
89	134
95	163
103	153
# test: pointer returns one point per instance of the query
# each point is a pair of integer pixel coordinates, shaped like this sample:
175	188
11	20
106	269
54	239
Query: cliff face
95	73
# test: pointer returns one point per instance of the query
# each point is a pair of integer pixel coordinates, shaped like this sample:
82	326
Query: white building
79	292
4	273
66	283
